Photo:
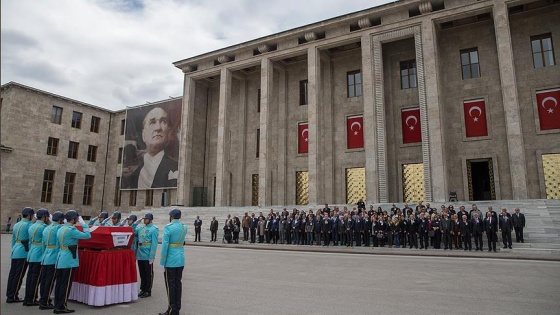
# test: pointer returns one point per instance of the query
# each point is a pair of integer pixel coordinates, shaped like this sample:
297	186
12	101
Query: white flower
172	175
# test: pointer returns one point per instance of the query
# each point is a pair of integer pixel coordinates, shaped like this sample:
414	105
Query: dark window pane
536	45
537	57
464	59
475	71
474	56
466	72
404	82
351	91
358	78
358	89
350	79
413	81
548	58
546	44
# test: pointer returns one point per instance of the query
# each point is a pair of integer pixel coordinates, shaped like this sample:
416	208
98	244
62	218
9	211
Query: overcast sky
118	53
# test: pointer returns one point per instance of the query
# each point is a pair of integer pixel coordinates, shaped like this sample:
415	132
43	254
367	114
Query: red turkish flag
303	138
411	130
475	118
549	111
355	132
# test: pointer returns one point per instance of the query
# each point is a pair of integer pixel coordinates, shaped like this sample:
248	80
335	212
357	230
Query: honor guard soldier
132	221
48	271
113	221
20	247
97	221
34	257
147	236
67	260
173	260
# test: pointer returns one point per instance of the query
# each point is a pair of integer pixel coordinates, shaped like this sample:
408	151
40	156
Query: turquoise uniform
94	222
20	232
68	235
147	241
134	237
172	252
49	243
36	247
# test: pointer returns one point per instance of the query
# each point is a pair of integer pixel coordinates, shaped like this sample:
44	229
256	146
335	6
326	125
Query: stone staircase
542	232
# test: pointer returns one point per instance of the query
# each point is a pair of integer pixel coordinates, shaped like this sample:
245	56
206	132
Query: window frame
56	115
149	202
258	142
88	190
354	89
92	153
48	183
123	124
117	198
303	92
68	191
542	52
77	118
408	75
73	154
95	122
120	157
470	64
52	146
258	100
132	198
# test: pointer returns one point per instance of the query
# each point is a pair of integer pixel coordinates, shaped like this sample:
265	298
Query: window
258	142
92	153
52	146
354	83
120	156
76	120
73	150
258	100
56	115
95	121
68	188
543	52
149	197
303	92
88	190
469	63
48	180
117	200
132	198
408	74
122	127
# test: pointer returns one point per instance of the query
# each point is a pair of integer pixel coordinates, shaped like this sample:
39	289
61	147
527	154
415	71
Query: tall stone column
240	181
221	158
283	129
372	187
380	139
435	173
510	100
184	182
313	156
267	71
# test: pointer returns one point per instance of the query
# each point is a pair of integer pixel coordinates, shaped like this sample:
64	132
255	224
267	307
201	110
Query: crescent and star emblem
303	132
413	118
359	127
475	119
549	99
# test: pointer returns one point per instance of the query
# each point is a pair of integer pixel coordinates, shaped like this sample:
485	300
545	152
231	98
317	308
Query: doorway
481	179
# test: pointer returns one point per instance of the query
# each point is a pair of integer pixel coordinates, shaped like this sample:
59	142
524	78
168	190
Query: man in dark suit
477	230
423	229
506	225
518	224
326	229
491	228
156	169
412	230
349	229
197	228
446	228
358	229
466	230
214	229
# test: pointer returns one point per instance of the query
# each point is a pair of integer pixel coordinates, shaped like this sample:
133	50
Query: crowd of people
422	227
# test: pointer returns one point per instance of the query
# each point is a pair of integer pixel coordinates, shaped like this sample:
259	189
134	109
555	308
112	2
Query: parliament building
408	101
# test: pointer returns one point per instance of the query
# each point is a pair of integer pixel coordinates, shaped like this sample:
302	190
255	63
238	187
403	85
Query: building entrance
481	180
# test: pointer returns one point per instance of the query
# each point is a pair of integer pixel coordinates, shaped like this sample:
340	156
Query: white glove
104	221
162	268
81	220
94	219
123	221
138	221
151	261
50	217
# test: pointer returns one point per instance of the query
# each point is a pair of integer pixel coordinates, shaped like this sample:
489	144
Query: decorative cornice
224	59
364	22
263	48
425	7
310	36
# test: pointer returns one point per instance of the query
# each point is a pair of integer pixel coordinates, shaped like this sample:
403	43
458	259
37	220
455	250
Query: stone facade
241	110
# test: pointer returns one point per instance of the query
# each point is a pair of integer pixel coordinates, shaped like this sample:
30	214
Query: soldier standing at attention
20	247
147	245
48	271
173	260
34	257
99	219
197	228
67	260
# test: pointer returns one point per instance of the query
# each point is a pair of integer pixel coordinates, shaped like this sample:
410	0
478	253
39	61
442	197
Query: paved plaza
248	281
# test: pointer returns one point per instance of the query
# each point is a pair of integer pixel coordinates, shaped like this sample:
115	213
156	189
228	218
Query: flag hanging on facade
303	138
475	118
411	125
549	111
355	132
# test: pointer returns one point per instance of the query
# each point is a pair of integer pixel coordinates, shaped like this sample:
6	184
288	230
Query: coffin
107	237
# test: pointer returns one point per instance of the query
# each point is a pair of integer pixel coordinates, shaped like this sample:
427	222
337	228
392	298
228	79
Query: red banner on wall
549	111
475	118
411	125
303	138
355	132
